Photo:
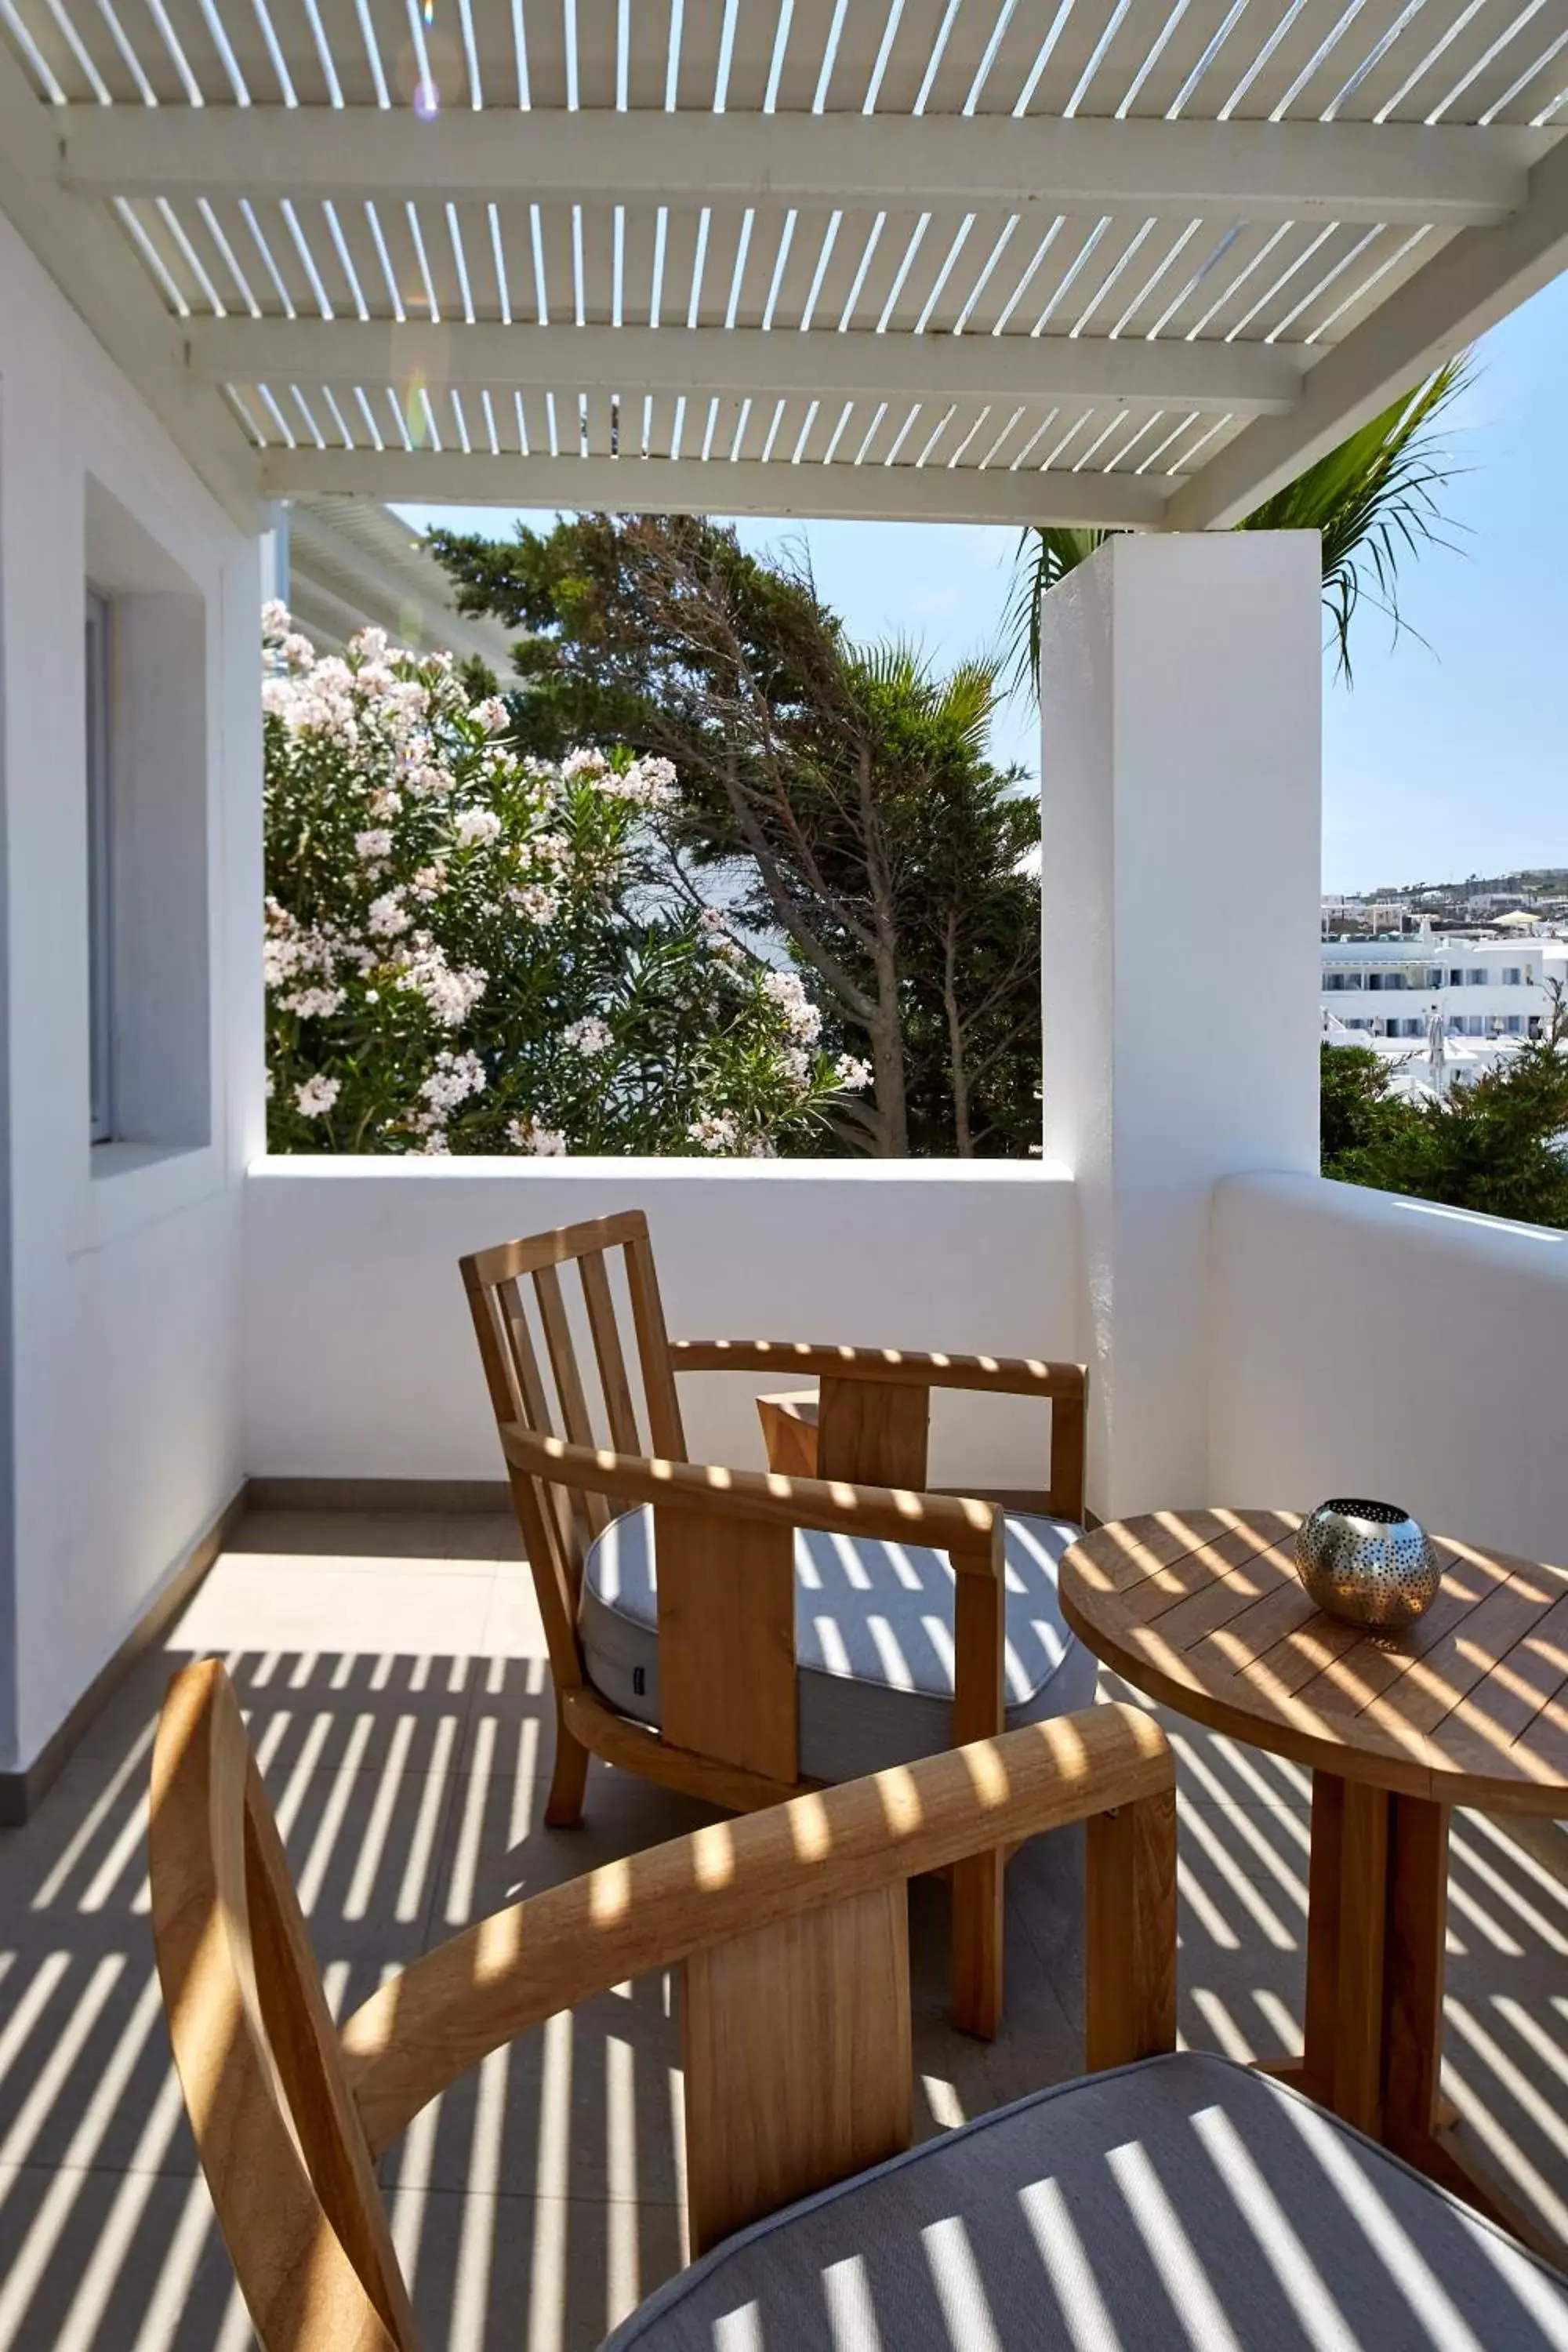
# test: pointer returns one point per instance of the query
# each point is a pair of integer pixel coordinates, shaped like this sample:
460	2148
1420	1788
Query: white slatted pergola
1087	261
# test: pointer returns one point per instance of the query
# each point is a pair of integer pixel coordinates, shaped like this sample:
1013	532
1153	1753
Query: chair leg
977	1929
564	1808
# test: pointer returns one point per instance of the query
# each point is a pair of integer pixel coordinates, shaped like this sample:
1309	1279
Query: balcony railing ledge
399	1169
1418	1222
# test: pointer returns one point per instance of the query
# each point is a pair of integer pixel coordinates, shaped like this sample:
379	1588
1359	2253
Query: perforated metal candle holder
1370	1563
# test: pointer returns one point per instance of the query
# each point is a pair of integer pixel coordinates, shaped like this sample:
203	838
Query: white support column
1180	693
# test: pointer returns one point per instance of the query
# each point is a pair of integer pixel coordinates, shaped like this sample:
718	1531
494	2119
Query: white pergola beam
1475	280
85	252
1451	177
1247	379
688	486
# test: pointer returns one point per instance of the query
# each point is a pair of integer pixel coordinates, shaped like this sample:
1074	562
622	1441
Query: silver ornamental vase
1371	1563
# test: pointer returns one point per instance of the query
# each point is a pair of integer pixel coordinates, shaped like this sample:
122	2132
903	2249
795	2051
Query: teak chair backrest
555	1518
791	1924
280	2143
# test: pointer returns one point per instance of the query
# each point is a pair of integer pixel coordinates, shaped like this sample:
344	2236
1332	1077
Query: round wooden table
1203	1609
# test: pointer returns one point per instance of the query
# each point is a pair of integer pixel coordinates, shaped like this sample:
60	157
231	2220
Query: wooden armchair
1175	2198
711	1674
790	1930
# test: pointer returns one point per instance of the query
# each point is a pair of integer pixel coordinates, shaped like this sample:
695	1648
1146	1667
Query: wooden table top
1203	1611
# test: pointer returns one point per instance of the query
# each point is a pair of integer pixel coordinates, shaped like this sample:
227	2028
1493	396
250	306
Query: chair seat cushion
1184	2201
873	1630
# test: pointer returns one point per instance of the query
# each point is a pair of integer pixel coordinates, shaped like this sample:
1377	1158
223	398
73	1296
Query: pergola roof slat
870	492
1253	170
1247	378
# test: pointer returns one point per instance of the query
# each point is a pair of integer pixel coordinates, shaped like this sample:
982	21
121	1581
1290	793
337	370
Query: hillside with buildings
1479	901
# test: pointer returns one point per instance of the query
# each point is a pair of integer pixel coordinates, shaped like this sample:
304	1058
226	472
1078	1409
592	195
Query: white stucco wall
1365	1344
122	1429
1180	692
360	1356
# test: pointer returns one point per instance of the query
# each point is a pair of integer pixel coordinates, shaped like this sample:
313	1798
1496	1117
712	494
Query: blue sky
1450	756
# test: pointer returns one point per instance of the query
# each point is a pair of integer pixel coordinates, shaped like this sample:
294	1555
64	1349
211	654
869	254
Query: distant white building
1487	903
341	565
1484	989
1371	914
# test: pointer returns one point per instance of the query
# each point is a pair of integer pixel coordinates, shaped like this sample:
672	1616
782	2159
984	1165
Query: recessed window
100	865
150	1080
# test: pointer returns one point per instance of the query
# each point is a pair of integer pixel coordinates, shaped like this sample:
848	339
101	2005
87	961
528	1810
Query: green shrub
465	950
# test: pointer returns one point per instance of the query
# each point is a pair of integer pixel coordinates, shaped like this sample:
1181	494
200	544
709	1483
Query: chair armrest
970	1532
804	1358
447	2012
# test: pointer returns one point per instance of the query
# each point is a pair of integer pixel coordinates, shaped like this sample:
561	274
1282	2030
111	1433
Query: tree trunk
887	1063
957	1071
887	1029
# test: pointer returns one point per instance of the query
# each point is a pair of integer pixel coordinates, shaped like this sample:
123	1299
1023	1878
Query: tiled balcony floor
394	1674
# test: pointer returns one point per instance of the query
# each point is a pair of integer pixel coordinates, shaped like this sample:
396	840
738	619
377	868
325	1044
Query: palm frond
1375	498
1047	553
962	700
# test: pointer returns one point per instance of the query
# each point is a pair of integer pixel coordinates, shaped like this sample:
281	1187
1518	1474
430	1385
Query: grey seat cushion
873	1633
1183	2205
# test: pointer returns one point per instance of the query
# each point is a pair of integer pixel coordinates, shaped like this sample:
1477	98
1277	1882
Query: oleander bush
468	950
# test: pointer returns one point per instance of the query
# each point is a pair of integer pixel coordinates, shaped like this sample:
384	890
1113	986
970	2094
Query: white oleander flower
475	825
492	715
276	621
388	917
537	903
850	1074
317	1096
545	1142
451	994
455	1077
407	701
796	1062
801	1016
590	1036
647	783
715	1131
582	763
370	644
375	842
313	1004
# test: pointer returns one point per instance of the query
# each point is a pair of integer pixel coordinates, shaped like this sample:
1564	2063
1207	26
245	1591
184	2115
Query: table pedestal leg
1378	1902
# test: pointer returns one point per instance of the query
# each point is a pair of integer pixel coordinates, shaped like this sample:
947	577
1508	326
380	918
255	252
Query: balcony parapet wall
360	1358
1360	1343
